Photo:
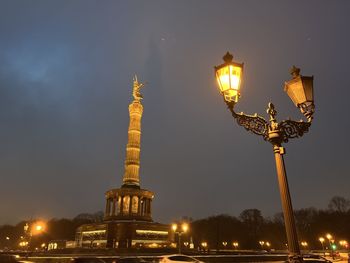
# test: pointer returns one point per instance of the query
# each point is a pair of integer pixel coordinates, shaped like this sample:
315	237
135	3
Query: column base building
128	214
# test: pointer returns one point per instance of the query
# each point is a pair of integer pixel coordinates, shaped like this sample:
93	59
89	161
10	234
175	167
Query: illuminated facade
128	212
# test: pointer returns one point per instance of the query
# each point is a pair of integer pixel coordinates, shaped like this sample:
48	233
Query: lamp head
184	227
300	90
174	227
229	78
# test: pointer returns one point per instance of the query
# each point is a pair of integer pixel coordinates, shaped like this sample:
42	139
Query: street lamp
268	245
179	230
321	239
300	90
204	245
330	240
262	244
7	242
329	237
235	244
344	243
304	244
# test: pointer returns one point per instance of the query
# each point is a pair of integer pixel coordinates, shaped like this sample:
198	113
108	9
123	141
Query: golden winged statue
136	89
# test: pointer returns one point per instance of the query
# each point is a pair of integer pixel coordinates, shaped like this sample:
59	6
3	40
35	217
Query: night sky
66	71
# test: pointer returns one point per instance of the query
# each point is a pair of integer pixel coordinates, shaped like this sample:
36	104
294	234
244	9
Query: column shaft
292	238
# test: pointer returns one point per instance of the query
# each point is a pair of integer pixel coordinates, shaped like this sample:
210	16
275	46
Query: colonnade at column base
129	203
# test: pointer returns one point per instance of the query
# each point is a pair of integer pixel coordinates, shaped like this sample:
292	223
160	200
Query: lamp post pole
275	137
300	90
179	233
262	244
292	237
321	239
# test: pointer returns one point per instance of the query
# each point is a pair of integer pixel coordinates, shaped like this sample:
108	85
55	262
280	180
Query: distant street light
304	244
344	243
23	244
180	230
329	236
224	243
330	240
43	246
332	246
262	244
7	241
204	245
300	91
321	239
38	227
235	244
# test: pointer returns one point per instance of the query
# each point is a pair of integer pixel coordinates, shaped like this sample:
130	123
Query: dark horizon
66	73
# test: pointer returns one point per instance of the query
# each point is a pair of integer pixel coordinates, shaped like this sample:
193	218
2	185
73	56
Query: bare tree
339	204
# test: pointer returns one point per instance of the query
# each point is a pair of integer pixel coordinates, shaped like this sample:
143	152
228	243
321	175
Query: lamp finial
295	72
228	57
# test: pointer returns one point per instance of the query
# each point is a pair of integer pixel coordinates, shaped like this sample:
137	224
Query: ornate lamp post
300	90
179	231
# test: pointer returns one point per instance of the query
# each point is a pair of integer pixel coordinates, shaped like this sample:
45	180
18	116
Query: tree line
250	227
219	231
55	229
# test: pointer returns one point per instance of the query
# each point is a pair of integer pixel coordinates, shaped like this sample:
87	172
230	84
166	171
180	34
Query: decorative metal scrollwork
287	129
254	123
293	129
308	109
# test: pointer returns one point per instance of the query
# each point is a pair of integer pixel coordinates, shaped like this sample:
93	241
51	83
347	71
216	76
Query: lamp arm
307	109
253	123
293	129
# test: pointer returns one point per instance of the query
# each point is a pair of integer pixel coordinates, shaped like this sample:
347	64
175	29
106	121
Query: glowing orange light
229	76
174	227
184	227
38	227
